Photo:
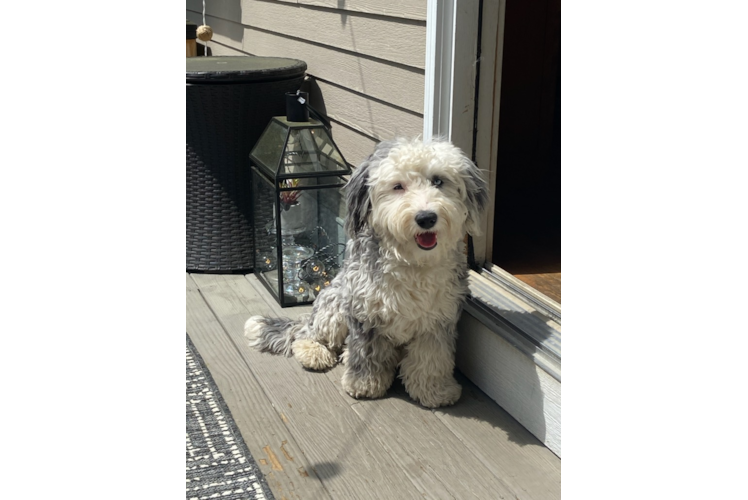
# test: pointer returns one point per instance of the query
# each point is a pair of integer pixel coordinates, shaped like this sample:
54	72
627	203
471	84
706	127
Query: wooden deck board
386	448
417	440
502	445
289	474
342	450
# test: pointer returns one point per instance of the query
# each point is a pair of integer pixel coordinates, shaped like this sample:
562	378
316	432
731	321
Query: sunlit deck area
313	441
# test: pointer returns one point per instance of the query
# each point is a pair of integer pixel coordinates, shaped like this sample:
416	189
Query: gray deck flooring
313	441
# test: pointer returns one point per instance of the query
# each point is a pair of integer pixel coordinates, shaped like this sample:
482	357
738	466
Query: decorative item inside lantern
289	198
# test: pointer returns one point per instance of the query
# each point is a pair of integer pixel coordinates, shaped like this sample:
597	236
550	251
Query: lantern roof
289	149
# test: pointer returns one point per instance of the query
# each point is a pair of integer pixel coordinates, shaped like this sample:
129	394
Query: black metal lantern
298	209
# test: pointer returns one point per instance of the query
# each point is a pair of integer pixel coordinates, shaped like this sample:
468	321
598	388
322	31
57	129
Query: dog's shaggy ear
357	199
477	195
357	190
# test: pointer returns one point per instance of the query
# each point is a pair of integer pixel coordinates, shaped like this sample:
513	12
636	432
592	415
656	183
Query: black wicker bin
230	100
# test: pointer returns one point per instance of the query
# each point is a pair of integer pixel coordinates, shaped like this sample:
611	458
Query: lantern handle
318	116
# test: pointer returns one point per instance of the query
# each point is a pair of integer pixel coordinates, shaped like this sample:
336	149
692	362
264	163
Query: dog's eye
398	187
437	182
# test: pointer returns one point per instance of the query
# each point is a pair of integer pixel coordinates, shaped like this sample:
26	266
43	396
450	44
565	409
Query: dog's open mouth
426	241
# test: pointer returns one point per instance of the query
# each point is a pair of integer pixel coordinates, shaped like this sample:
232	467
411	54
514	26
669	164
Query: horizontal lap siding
372	117
366	58
354	145
230	10
400	86
392	39
407	9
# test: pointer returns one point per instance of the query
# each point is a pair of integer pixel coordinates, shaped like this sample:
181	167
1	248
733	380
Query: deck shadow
474	404
326	470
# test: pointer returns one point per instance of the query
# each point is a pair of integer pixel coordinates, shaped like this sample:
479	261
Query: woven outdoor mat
219	464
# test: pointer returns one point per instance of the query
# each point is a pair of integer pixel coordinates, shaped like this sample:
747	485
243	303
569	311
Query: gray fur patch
276	336
357	189
369	355
477	194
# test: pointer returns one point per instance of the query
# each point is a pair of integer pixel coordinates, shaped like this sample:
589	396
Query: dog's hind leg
313	355
317	345
370	362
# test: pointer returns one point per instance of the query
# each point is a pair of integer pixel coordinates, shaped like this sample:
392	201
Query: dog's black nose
425	219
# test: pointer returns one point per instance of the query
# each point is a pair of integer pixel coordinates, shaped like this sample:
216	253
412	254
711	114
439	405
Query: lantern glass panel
266	248
310	150
301	257
269	148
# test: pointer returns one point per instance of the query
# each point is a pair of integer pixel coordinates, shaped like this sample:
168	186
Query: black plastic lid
191	30
234	69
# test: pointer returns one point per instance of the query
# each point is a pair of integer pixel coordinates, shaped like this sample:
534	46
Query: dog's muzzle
426	220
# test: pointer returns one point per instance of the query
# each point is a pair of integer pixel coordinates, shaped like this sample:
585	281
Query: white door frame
450	87
451	47
488	351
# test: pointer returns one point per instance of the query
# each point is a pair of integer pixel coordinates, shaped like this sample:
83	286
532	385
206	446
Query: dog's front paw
366	387
436	394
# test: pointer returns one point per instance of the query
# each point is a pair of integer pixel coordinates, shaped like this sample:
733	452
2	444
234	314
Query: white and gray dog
397	299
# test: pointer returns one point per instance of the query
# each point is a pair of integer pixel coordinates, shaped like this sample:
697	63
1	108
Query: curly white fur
398	297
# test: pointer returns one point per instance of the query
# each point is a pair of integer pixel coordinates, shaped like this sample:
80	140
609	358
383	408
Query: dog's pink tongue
426	240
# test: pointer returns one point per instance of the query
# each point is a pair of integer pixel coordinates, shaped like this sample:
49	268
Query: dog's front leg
428	366
370	362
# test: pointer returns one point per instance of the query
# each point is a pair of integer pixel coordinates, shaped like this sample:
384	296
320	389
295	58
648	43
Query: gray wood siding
366	58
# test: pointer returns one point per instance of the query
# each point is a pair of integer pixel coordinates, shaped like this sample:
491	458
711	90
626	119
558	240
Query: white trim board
508	376
512	352
518	321
523	289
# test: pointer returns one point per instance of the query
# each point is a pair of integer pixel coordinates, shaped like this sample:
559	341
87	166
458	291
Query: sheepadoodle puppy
396	302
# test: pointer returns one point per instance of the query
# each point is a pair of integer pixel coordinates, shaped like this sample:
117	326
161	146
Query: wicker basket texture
224	121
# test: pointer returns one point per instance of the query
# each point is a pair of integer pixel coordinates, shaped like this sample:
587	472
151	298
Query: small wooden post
191	42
